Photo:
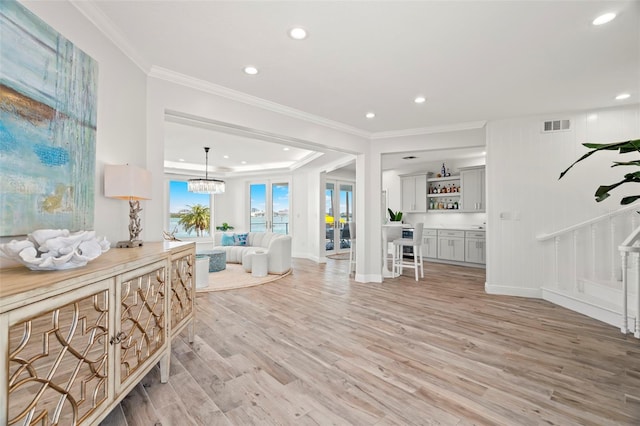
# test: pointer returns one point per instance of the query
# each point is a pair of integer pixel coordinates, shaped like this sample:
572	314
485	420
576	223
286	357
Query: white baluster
575	262
612	230
625	327
637	328
593	251
557	264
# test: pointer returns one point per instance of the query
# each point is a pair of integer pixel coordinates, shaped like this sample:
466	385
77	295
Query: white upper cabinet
414	193
473	189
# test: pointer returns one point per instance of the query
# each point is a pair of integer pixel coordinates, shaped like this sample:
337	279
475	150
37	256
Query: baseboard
453	262
368	278
586	308
310	257
504	290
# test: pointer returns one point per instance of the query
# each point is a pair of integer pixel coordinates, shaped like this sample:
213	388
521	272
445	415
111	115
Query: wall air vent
556	126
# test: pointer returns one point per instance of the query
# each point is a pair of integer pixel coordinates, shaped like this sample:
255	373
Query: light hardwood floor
319	348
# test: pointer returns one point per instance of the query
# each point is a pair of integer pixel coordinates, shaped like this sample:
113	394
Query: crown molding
189	169
93	13
214	89
234	129
470	125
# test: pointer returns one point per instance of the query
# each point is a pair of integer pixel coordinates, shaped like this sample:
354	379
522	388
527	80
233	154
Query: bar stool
416	243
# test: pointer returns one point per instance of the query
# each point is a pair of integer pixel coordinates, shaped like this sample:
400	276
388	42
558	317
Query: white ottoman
259	264
202	271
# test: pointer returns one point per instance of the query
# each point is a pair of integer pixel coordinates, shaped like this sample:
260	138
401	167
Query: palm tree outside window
189	213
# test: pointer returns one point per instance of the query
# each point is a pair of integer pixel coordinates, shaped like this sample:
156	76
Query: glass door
339	204
329	218
279	208
346	216
269	207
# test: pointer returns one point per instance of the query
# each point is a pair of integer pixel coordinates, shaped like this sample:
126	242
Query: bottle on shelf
455	205
443	171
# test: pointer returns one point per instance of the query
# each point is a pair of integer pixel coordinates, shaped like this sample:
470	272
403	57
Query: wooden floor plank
317	348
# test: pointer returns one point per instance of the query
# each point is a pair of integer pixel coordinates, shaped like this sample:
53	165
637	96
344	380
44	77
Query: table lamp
128	183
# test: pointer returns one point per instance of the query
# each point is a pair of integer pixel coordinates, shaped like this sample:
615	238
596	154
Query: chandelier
206	185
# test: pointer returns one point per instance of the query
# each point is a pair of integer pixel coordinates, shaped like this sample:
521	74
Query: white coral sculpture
52	249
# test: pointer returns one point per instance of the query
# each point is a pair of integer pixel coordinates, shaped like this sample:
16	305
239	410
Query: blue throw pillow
241	239
228	239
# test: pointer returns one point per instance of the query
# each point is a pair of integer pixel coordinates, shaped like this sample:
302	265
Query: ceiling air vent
556	126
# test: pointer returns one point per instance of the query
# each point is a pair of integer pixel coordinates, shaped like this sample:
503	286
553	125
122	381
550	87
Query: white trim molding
429	130
215	89
505	290
369	278
111	31
589	309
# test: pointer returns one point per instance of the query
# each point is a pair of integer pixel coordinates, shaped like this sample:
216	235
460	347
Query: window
189	213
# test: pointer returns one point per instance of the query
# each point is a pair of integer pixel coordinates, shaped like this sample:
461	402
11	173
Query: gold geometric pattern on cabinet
58	363
181	288
142	329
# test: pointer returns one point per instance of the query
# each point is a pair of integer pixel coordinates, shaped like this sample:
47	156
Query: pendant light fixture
206	185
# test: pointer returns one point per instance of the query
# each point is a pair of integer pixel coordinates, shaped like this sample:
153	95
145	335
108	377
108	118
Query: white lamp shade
127	182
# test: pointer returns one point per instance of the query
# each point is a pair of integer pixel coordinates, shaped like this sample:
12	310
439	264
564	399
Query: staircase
594	268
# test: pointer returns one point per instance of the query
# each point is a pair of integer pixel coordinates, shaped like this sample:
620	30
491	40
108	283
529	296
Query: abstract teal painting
48	90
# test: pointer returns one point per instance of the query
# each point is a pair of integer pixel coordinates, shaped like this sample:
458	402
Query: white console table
73	343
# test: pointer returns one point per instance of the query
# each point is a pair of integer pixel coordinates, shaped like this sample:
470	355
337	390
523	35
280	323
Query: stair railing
630	245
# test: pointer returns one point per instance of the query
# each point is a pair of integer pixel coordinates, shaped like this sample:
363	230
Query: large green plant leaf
603	191
621	147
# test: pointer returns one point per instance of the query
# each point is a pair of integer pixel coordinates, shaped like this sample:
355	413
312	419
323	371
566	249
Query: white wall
121	133
525	198
232	207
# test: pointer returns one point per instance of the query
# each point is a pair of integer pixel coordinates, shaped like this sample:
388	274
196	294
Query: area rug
234	276
339	256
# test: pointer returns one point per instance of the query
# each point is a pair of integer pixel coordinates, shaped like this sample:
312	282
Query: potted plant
224	227
623	148
395	217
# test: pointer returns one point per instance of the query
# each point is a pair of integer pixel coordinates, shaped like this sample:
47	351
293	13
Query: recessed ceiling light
251	70
420	99
180	159
592	117
603	19
225	156
622	96
484	152
298	33
285	149
370	115
243	162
